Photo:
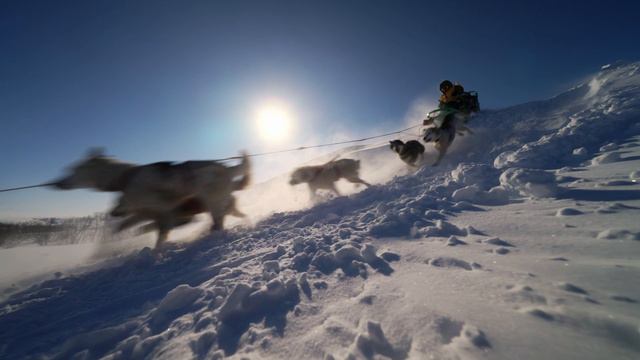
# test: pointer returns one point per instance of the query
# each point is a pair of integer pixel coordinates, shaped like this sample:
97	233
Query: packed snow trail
407	269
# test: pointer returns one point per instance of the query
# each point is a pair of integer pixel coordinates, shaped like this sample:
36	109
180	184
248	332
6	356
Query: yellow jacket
451	95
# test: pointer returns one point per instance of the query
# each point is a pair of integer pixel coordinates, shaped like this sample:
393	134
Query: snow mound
618	234
501	251
497	195
581	151
176	299
449	262
571	288
481	175
498	242
609	147
567	211
524	294
373	343
454	241
530	182
605	158
443	229
470	340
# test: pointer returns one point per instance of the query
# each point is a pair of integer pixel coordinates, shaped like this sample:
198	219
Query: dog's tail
242	170
242	183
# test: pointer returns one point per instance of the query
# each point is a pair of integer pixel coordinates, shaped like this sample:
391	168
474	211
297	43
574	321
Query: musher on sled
454	108
454	102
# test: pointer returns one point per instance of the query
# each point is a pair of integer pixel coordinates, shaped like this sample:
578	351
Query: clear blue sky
175	80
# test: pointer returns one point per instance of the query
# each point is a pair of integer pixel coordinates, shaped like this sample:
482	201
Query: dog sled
438	116
466	105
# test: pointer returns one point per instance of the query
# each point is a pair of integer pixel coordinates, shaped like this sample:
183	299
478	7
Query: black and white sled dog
443	136
411	152
167	194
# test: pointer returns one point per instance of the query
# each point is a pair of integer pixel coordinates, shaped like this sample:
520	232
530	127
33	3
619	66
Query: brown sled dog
166	193
324	176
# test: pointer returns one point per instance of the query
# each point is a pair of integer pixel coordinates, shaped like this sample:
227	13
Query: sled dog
324	176
443	136
182	215
169	194
410	152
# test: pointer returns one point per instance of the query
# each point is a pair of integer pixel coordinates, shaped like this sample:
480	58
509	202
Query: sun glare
274	122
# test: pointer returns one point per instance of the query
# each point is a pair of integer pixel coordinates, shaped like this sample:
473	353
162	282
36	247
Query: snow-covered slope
523	244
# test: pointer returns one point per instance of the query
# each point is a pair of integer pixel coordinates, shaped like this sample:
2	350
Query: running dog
410	152
183	215
443	136
324	176
166	193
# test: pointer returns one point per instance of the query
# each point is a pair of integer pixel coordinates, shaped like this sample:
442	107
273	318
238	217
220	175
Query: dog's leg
218	222
419	160
442	150
313	196
216	207
357	180
237	213
152	226
122	206
233	210
334	189
163	232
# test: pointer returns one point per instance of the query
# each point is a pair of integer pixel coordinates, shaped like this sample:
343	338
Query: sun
274	122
